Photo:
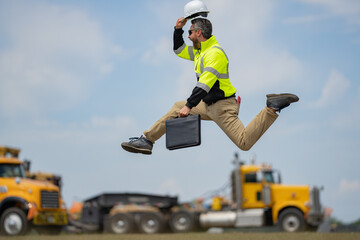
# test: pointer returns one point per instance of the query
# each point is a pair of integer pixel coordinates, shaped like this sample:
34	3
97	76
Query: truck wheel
121	223
291	220
151	223
182	221
13	222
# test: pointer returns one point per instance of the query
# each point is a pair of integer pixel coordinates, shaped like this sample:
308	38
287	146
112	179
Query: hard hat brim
199	14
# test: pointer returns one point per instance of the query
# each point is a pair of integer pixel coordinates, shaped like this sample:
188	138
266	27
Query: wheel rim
120	225
150	225
291	223
181	223
13	224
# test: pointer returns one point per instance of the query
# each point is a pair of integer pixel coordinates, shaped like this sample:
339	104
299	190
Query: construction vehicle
27	203
125	213
42	176
257	199
260	199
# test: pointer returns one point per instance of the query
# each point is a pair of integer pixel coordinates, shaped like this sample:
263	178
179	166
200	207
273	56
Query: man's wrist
189	105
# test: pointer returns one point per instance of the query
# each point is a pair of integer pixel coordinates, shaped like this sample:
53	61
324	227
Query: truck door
253	190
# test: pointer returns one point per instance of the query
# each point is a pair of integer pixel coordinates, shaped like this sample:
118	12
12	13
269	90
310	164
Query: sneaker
280	101
138	145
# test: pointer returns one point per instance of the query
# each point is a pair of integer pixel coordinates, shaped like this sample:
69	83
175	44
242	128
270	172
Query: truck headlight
3	189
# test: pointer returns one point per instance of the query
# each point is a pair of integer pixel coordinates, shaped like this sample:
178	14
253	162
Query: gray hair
205	26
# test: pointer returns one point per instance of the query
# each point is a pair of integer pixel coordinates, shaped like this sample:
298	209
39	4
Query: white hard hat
195	8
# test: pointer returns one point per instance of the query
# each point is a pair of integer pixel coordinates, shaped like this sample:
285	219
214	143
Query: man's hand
184	112
180	23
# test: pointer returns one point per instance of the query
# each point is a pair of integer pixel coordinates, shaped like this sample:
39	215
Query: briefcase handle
186	116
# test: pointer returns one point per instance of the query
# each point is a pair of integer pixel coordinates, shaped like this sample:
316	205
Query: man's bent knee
245	147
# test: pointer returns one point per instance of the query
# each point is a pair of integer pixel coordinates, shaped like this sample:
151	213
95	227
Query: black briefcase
183	132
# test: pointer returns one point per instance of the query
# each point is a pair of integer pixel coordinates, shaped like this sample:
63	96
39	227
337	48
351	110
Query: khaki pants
225	114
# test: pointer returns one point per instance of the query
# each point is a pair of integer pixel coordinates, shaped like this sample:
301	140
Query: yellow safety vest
211	66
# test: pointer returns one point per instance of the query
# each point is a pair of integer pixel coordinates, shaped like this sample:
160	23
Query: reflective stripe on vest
191	53
203	86
212	70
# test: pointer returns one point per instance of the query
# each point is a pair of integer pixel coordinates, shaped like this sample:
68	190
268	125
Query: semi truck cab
291	207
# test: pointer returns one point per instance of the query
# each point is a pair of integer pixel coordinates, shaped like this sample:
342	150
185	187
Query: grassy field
198	236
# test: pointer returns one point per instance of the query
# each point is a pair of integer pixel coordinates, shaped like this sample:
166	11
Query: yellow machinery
26	203
42	176
259	199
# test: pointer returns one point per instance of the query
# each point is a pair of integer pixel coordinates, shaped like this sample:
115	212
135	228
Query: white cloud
334	89
348	187
349	118
304	19
185	79
261	67
350	9
160	51
54	55
94	131
241	18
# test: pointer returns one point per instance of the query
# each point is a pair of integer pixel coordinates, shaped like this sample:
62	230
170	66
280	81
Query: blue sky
77	78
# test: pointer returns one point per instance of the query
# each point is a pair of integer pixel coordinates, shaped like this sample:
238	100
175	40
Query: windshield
268	175
11	170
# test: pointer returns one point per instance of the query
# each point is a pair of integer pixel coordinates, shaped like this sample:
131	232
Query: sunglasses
191	30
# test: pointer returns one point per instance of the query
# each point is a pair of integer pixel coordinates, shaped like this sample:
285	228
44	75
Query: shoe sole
293	97
133	149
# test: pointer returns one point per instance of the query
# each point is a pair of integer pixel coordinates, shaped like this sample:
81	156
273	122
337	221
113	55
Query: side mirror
26	165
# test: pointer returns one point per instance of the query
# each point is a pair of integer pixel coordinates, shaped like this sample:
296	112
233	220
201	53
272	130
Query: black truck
133	212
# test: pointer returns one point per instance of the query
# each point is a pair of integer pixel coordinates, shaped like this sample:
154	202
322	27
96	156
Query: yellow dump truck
27	203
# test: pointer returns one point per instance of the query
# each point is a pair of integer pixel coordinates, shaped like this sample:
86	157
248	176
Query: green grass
197	236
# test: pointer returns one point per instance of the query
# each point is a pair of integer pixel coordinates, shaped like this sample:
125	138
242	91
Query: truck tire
13	222
291	220
151	223
121	223
182	221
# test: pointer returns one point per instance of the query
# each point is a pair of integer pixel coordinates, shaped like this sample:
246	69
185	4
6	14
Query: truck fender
277	209
12	201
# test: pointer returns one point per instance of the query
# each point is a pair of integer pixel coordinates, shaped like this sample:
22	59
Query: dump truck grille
49	199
